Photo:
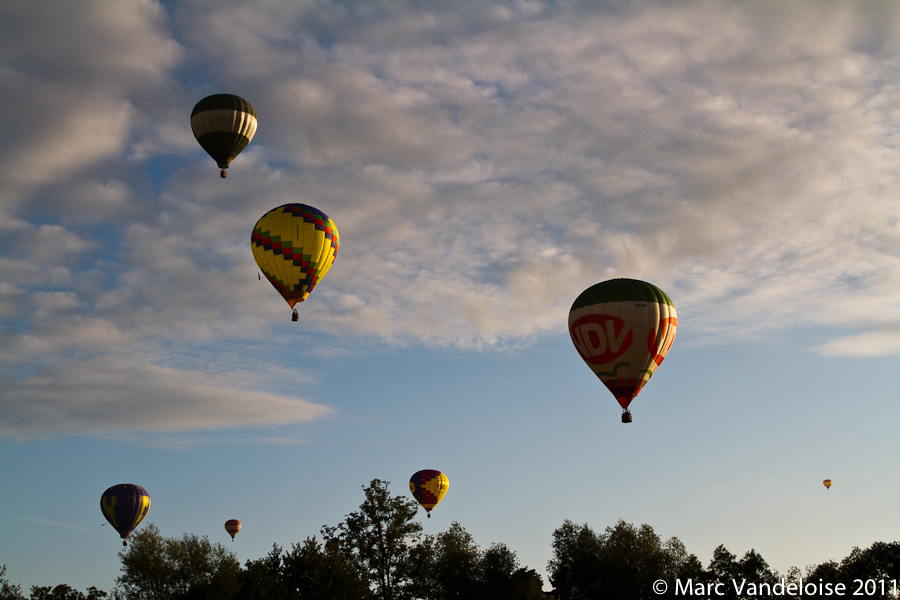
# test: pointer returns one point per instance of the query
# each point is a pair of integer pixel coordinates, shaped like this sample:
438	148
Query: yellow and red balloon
428	487
294	246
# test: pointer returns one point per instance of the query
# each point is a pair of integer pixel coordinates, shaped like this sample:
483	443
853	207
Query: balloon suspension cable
275	304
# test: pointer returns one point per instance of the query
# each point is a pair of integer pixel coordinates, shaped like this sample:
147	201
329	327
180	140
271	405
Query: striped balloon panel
223	125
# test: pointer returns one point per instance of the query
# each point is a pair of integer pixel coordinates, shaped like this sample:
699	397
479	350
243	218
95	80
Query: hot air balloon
827	484
125	506
224	125
232	526
428	487
294	246
623	329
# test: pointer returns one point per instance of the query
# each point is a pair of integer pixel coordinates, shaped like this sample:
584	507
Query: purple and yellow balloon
125	506
428	487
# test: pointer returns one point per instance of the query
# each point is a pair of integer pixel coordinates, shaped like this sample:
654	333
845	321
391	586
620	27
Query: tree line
380	553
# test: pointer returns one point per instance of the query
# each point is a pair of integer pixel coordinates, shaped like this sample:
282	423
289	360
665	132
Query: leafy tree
314	571
450	566
723	569
453	566
636	557
310	571
503	579
190	568
623	562
682	566
754	568
576	565
262	579
827	572
381	538
7	590
65	592
880	561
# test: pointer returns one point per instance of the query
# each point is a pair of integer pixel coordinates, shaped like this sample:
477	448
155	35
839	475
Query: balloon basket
626	417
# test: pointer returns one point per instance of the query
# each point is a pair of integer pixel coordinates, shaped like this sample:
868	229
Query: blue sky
484	164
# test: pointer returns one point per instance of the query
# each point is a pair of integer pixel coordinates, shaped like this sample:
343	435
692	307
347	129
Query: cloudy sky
484	162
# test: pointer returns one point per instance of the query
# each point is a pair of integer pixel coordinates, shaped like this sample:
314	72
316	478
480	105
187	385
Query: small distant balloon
232	526
827	483
223	125
125	506
428	487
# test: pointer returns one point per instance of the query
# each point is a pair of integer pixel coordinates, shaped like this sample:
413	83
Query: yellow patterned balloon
294	246
428	487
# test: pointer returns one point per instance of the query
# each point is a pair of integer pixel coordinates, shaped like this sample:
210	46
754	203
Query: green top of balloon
223	101
621	290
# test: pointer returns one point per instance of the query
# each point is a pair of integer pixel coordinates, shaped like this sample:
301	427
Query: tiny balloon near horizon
232	526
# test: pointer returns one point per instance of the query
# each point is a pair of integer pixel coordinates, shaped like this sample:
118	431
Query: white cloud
871	343
68	73
120	393
43	521
483	164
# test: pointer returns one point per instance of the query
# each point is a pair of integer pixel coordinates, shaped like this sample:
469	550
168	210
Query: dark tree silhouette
623	562
190	568
381	537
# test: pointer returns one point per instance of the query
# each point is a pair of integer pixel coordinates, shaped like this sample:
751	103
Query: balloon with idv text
623	329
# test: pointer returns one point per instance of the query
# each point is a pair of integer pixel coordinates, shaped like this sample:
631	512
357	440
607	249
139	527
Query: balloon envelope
428	487
294	246
125	506
827	483
232	526
623	329
223	125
